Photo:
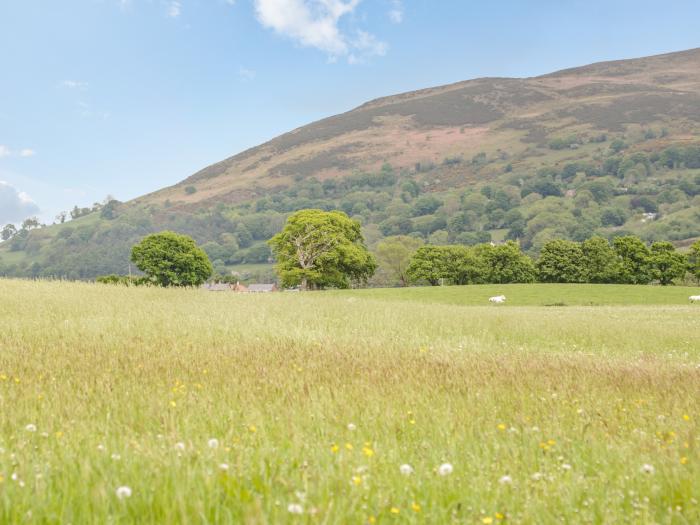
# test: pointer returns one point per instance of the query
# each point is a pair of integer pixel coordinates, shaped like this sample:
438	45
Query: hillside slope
602	149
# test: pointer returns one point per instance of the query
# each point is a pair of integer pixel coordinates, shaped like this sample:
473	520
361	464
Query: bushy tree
694	259
635	260
508	264
667	264
317	249
561	261
394	254
171	259
599	261
429	264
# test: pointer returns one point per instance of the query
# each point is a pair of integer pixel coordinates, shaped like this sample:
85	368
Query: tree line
627	260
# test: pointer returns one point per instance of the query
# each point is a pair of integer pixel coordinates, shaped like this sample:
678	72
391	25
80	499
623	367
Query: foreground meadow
303	408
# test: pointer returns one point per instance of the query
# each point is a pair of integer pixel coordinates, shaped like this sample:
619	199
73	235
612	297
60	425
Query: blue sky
123	97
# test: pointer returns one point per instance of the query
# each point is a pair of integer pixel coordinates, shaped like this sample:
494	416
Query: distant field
536	294
227	408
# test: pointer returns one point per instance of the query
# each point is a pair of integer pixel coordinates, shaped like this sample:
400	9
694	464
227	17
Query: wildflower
123	492
371	520
295	508
367	451
213	443
223	466
348	446
505	480
487	520
116	457
499	516
180	445
335	448
566	466
253	429
536	476
357	481
394	510
647	468
101	447
351	427
501	427
445	469
686	417
173	404
684	460
415	507
31	427
406	469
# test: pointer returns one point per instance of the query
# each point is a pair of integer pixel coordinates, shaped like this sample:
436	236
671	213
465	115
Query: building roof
262	287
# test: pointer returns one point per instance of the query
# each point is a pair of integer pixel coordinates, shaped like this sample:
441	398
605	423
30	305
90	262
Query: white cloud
246	74
15	206
396	12
74	84
7	152
174	9
315	23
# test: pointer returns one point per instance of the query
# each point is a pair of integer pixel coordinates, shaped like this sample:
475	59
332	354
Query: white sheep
498	299
694	298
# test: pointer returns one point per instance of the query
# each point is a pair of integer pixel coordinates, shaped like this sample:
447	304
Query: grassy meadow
302	408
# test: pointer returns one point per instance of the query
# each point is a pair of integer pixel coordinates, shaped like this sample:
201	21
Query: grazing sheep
694	298
498	299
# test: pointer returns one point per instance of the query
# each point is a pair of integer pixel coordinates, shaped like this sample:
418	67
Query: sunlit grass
315	401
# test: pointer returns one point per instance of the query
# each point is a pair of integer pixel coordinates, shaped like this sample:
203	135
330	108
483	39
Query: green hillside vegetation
610	149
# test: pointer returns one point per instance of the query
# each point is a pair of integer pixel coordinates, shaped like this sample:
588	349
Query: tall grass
571	415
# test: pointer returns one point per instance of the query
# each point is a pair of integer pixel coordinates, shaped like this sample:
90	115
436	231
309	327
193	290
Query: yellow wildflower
416	507
394	510
487	520
684	460
499	516
348	446
686	417
501	426
335	448
357	480
367	451
173	404
371	520
252	428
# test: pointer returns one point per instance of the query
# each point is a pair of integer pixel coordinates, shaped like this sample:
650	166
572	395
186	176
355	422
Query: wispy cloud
316	23
87	111
5	151
174	9
396	12
15	205
246	74
74	84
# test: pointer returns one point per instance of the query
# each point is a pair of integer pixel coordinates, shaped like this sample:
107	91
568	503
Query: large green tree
318	249
599	261
561	261
394	255
508	264
171	259
667	264
694	259
635	260
429	264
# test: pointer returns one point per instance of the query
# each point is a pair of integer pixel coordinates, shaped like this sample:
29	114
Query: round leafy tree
171	259
319	248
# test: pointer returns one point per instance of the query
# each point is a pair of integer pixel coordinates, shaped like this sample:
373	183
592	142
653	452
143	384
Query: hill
608	148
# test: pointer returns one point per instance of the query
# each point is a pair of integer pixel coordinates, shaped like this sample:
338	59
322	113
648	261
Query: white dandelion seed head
536	476
180	445
647	468
566	466
223	466
445	469
295	508
44	434
123	492
213	443
14	476
505	480
116	457
406	469
31	427
101	447
351	427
